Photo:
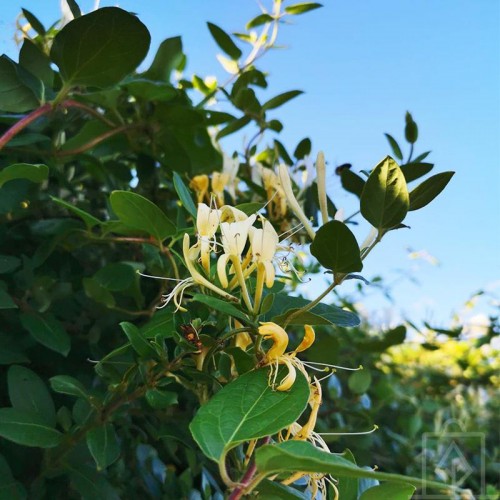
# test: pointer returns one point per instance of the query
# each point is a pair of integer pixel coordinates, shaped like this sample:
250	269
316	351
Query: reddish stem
23	123
71	103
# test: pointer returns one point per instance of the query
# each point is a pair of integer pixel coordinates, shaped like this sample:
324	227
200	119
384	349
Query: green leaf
167	58
394	146
303	148
74	8
65	384
347	486
19	90
360	381
234	126
9	487
385	199
90	484
100	48
95	291
89	220
34	173
259	21
34	21
281	99
411	129
352	182
414	170
301	8
36	62
220	305
245	409
394	491
251	207
162	323
139	213
116	277
103	445
424	193
322	314
283	152
159	399
28	392
46	330
224	41
336	248
8	263
271	490
151	90
6	301
302	456
184	195
139	342
395	336
28	429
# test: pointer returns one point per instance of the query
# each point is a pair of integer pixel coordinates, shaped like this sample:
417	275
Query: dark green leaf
250	208
90	484
303	148
234	126
220	305
139	342
258	21
74	8
184	195
8	263
19	90
28	429
95	291
347	486
34	21
28	392
245	409
394	491
36	62
413	170
271	490
352	182
159	399
90	220
6	301
283	152
139	213
9	487
100	48
424	193
34	173
116	277
395	336
394	146
167	58
385	199
65	384
47	331
301	8
162	324
151	90
281	99
103	445
224	41
411	129
336	248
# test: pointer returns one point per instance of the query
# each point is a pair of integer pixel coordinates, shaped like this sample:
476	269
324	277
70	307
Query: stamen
375	427
157	277
307	363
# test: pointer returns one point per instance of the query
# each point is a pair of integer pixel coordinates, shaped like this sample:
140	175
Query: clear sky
362	65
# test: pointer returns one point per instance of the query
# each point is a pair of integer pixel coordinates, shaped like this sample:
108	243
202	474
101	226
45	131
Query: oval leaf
394	491
394	146
137	212
385	199
19	89
28	392
224	41
336	248
103	445
47	331
139	342
65	384
281	99
247	409
28	429
423	194
301	8
89	220
100	48
34	173
184	195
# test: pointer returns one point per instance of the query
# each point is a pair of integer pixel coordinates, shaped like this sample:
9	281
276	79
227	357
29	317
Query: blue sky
362	65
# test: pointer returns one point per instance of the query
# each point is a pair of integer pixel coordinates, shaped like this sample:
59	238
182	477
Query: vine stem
23	123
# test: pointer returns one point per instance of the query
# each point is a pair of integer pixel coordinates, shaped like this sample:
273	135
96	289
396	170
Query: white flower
264	243
230	167
207	222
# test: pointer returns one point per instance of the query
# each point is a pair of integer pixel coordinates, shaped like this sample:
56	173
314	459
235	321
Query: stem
411	153
312	304
95	141
377	240
23	123
71	103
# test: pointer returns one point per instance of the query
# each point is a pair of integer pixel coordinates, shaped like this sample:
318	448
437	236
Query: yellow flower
219	182
207	222
200	185
275	194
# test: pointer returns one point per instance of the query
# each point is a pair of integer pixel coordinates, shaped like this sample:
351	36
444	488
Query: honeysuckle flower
321	182
230	167
200	185
286	183
219	183
190	256
276	197
207	222
232	214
